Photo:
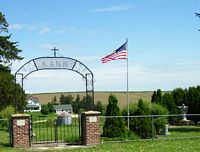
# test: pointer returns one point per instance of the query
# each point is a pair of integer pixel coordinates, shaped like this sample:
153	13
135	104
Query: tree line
171	100
161	104
79	104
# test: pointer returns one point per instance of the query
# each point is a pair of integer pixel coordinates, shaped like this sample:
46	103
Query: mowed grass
4	137
156	145
181	145
184	131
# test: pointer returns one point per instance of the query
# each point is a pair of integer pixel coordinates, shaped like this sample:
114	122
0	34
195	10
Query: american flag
120	53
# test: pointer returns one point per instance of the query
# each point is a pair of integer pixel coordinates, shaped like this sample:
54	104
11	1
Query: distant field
99	96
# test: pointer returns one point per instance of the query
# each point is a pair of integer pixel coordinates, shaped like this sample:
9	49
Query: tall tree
198	15
169	103
62	99
8	50
54	101
77	104
179	96
7	89
159	96
193	102
8	53
114	126
154	97
87	102
69	99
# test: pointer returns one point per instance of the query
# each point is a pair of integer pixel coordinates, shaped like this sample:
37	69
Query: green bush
142	126
159	122
45	109
6	114
114	126
51	107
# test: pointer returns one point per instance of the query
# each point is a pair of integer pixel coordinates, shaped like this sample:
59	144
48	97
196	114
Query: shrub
51	107
6	114
142	126
169	103
159	122
45	109
114	126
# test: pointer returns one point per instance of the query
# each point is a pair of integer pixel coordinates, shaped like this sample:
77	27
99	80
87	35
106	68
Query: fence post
10	131
56	131
152	126
79	128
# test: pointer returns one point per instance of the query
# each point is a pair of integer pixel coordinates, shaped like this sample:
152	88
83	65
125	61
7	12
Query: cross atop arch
55	50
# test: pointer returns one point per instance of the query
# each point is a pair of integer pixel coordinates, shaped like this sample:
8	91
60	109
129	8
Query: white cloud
64	30
40	28
44	29
16	26
145	77
112	9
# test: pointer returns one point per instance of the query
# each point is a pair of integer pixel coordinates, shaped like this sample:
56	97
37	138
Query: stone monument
184	110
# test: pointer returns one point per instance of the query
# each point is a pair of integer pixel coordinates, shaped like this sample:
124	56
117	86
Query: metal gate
55	130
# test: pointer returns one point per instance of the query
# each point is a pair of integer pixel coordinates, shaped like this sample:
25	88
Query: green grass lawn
4	136
180	145
38	114
156	145
184	131
45	125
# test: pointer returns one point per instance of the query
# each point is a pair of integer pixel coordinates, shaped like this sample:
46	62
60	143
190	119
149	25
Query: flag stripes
120	53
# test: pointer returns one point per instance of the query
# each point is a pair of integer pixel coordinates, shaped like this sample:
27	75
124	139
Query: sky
163	42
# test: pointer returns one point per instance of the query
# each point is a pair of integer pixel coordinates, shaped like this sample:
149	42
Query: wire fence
143	127
155	127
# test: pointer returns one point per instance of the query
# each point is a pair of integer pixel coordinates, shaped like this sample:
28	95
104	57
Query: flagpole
127	93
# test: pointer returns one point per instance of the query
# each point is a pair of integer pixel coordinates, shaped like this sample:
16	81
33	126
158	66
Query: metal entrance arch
56	63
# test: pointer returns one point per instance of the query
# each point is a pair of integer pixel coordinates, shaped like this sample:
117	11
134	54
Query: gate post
90	128
20	130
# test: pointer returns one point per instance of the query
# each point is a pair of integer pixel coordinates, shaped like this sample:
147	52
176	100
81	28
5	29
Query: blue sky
163	38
